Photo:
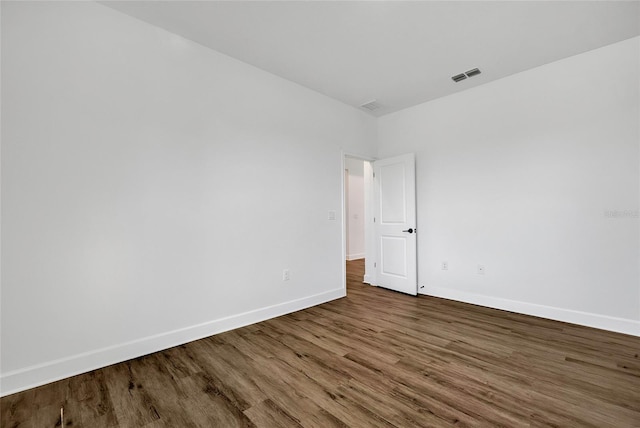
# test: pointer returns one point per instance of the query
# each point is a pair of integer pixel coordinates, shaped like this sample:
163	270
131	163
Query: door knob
410	230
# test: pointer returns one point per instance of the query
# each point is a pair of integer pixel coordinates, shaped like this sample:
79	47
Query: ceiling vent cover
371	105
472	73
460	77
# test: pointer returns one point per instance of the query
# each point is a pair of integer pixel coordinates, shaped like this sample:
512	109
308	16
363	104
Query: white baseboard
357	256
368	280
604	322
51	371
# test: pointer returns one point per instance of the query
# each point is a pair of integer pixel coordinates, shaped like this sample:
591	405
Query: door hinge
374	219
374	175
375	264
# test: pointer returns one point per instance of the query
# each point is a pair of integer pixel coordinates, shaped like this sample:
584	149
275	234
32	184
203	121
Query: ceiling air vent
472	73
459	77
371	105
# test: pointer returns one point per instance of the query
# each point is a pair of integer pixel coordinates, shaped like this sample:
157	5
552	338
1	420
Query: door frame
369	274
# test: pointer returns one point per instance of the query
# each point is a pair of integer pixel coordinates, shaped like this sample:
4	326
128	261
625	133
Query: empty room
320	214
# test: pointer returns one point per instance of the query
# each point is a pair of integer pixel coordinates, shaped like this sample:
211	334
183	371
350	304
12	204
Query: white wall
355	209
153	191
520	175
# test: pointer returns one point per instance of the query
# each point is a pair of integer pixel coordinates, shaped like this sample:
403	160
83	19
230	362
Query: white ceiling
399	53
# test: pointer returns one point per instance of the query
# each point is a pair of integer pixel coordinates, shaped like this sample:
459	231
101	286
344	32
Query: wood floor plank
91	398
269	414
373	359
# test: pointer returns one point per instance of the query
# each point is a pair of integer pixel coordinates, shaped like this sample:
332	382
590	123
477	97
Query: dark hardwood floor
374	359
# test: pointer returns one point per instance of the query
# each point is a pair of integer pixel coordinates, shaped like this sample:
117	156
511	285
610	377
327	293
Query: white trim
369	239
343	219
358	156
604	322
51	371
357	256
368	279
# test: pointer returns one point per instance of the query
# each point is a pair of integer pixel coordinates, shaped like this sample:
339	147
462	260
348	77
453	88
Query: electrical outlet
445	265
480	269
286	275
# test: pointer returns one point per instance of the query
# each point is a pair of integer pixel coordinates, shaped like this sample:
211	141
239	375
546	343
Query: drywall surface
154	190
355	209
536	178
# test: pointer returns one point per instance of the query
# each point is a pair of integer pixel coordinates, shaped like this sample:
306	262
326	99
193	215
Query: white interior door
395	223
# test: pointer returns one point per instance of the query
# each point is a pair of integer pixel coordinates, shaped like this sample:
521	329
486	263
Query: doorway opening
358	221
387	234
